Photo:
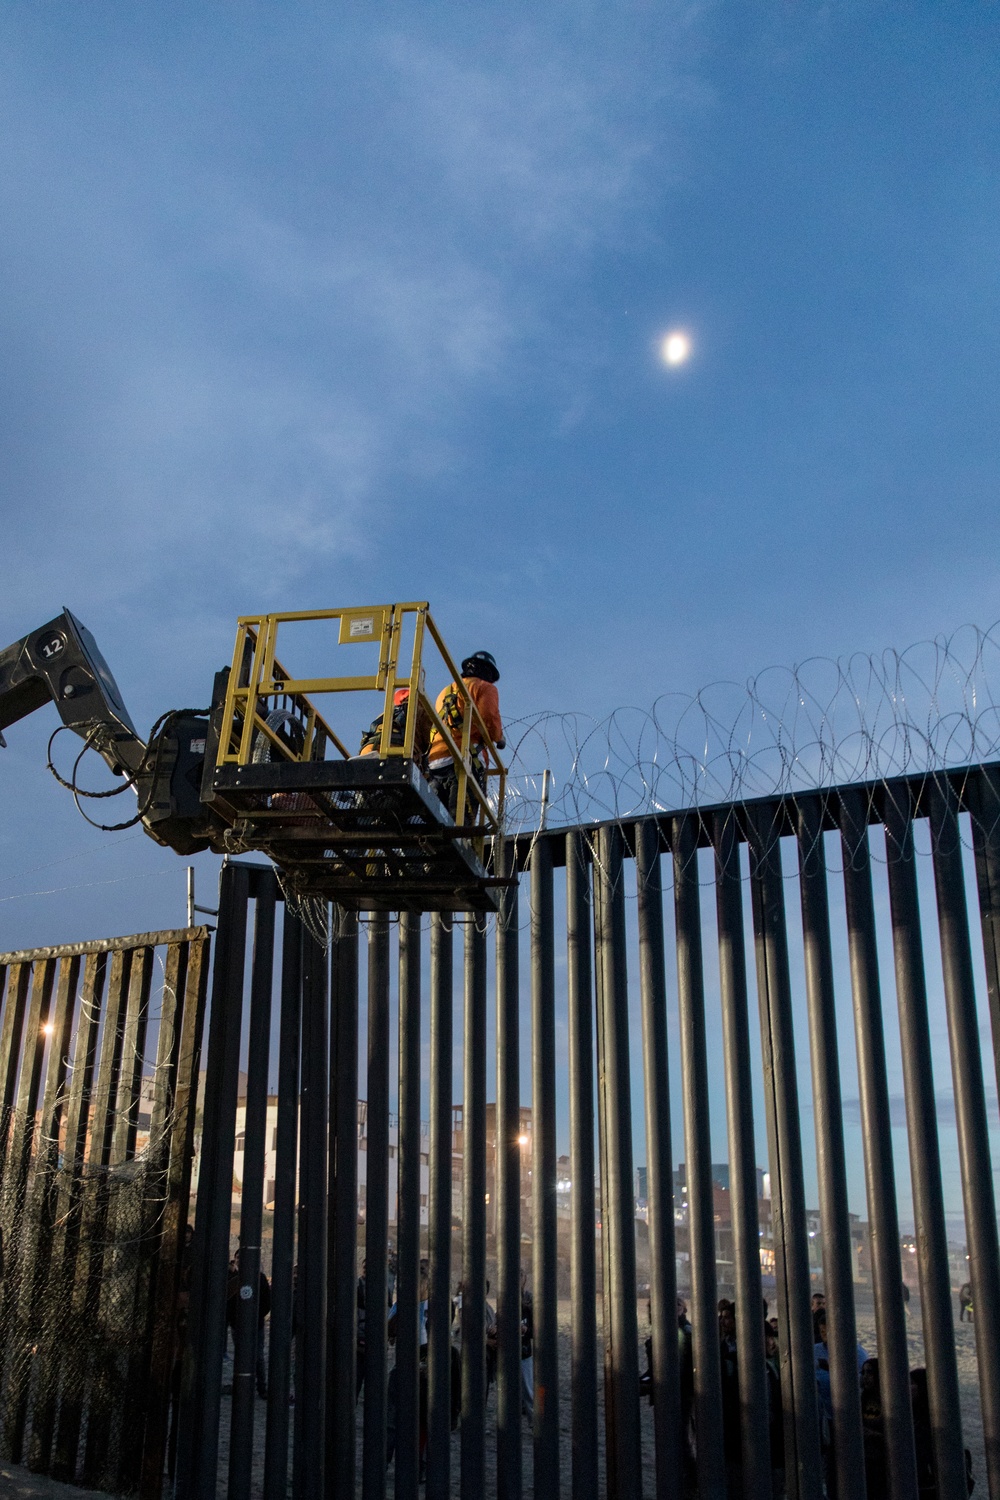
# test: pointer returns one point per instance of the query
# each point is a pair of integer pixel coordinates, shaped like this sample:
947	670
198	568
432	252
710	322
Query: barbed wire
823	722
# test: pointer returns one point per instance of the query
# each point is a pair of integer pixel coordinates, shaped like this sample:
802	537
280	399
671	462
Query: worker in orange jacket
371	740
480	675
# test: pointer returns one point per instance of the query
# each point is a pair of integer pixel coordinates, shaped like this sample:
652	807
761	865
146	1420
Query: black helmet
481	664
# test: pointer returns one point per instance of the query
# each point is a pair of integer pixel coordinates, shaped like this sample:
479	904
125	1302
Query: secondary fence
99	1049
291	1009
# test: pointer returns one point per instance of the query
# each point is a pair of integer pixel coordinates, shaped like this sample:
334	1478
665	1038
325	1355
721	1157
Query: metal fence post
624	1462
666	1393
283	1284
983	793
803	1473
508	1183
543	1173
376	1211
473	1435
249	1328
439	1214
828	1110
311	1334
583	1258
893	1363
407	1376
698	1151
970	1111
202	1388
925	1157
342	1209
750	1350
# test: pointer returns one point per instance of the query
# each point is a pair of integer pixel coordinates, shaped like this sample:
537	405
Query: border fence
285	1010
98	1071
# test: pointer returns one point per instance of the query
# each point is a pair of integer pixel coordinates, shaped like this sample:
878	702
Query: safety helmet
483	665
400	696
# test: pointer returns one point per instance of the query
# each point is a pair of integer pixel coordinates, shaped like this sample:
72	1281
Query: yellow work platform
367	831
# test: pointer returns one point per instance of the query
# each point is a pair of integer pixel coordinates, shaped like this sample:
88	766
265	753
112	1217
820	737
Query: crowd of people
867	1371
491	1343
873	1435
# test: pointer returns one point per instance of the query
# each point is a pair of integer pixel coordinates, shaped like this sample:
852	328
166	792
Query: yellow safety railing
259	684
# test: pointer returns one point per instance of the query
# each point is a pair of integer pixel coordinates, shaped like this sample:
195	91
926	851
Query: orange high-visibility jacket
486	698
370	744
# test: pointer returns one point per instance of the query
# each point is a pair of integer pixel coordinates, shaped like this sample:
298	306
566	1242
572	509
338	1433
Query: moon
675	348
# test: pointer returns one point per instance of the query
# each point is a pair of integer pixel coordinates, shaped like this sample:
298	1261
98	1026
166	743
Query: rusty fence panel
99	1057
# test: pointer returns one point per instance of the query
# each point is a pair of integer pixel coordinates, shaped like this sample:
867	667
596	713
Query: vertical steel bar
99	1149
27	1245
377	1211
126	1109
876	1125
925	1156
41	1213
473	1437
600	895
983	793
65	1198
168	1042
29	1083
103	1224
202	1378
508	1185
623	1445
311	1393
341	1393
439	1214
543	1174
82	1077
248	1329
742	1160
803	1472
18	980
70	1205
137	1406
283	1279
828	1111
114	1293
698	1150
185	1054
90	1281
970	1111
583	1258
659	1162
55	1073
407	1430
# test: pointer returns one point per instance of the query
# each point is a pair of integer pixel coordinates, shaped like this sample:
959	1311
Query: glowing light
48	1029
675	348
522	1140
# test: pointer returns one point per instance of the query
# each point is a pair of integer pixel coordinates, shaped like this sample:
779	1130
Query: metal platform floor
367	833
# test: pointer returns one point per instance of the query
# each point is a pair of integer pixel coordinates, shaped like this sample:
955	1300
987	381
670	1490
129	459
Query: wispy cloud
236	378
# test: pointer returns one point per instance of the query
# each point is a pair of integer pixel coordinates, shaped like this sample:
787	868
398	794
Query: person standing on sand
527	1349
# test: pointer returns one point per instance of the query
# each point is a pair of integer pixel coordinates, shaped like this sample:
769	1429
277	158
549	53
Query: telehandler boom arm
61	663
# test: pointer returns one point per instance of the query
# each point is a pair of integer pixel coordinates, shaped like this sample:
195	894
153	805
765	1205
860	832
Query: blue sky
308	305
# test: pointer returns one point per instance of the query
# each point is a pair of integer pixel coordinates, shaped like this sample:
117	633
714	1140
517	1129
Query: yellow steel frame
258	679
